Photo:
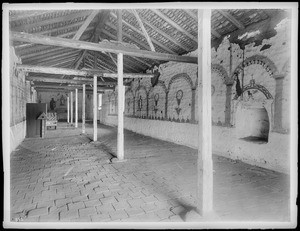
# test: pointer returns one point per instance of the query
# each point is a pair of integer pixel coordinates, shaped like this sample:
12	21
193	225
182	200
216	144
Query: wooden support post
205	167
95	107
71	102
68	109
76	108
83	108
121	96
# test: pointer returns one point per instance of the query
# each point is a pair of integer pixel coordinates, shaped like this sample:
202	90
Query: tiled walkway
66	177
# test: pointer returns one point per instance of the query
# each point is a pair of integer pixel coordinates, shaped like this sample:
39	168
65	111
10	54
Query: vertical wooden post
68	109
76	108
71	102
83	108
120	108
205	167
95	107
120	144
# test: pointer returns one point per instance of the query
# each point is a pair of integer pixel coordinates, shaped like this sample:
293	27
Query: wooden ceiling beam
70	81
25	46
101	46
173	40
115	38
143	29
72	87
232	19
85	24
64	90
175	25
162	46
67	71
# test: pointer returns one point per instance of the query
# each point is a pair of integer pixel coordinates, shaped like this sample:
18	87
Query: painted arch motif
264	61
179	101
141	102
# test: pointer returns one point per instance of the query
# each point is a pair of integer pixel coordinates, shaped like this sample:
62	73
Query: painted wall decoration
179	95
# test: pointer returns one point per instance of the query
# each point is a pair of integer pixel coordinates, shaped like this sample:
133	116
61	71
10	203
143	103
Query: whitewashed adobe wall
21	93
169	111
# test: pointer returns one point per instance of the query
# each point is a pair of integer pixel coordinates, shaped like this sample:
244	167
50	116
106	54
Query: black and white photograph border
95	134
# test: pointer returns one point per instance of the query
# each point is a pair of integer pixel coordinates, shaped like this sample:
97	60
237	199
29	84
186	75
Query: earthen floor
67	177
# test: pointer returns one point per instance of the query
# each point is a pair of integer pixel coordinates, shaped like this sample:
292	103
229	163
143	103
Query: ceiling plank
143	29
175	25
28	15
52	21
101	46
231	19
57	61
49	56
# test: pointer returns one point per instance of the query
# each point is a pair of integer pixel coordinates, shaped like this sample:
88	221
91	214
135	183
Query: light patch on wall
248	35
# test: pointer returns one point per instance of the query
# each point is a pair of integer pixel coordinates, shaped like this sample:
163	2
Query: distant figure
62	100
52	104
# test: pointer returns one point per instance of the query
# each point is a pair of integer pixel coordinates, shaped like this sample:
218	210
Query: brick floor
66	177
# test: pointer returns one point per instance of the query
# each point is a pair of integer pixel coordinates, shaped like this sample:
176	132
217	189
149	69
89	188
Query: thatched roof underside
172	31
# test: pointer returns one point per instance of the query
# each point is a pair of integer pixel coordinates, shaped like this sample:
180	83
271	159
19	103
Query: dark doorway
33	125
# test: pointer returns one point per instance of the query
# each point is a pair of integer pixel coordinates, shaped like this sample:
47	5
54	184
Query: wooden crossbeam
64	35
232	19
67	71
102	46
143	29
70	81
115	37
175	25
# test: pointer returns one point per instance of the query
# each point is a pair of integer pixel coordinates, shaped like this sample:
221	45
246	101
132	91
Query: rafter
175	25
85	24
232	19
115	37
182	46
143	29
109	47
141	33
